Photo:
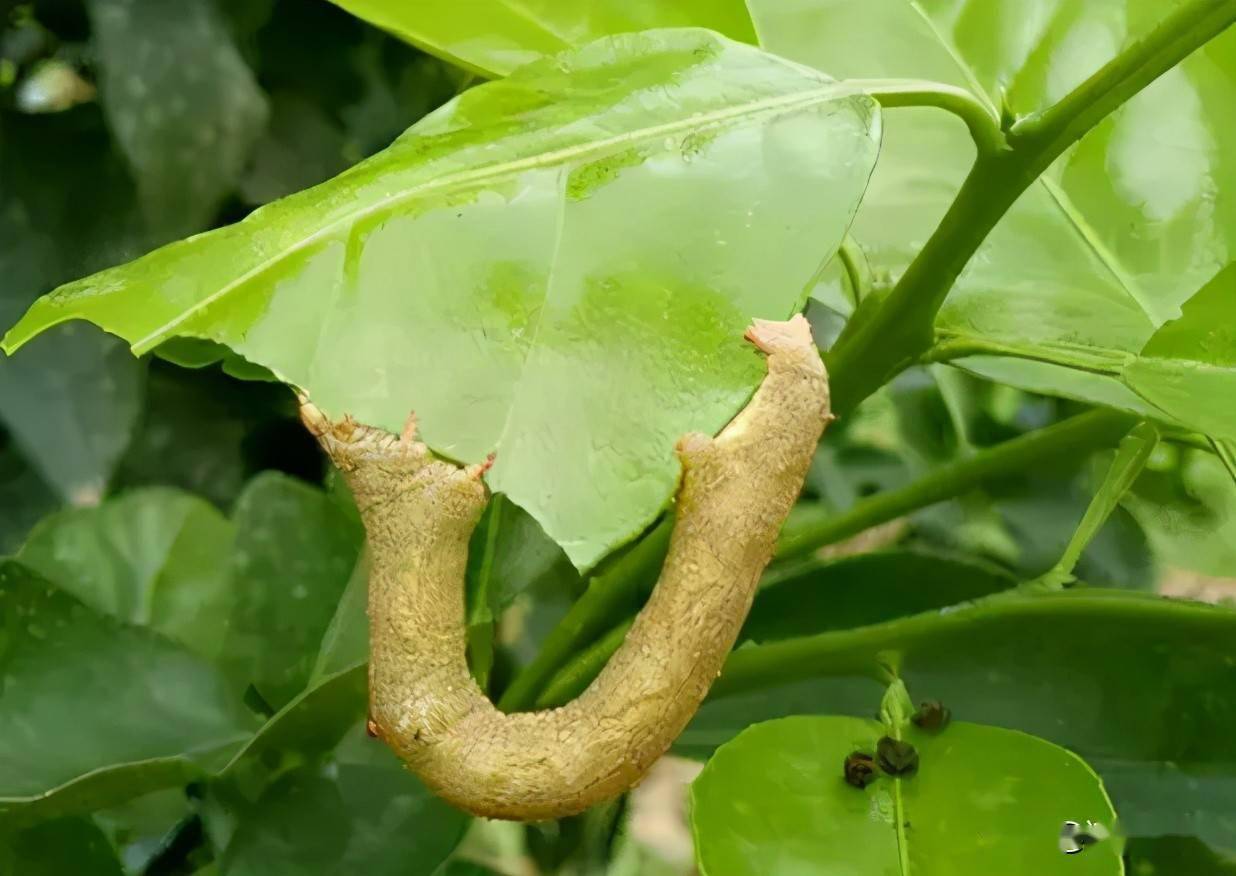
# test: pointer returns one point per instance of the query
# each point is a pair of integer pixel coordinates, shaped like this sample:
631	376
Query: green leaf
152	558
71	401
558	266
364	813
24	499
983	800
1070	667
1108	244
1169	855
181	103
1128	463
206	433
494	37
295	551
1188	367
64	845
867	589
131	712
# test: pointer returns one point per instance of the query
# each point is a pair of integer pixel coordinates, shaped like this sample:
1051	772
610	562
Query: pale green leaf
493	37
983	800
1108	244
558	266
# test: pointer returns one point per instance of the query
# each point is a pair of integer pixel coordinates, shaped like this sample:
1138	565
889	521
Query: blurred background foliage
184	499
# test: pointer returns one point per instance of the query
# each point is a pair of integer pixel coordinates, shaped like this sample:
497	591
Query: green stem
1076	435
980	119
1130	459
803	535
901	330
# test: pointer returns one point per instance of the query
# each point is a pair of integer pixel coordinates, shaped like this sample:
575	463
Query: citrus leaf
151	558
132	712
558	266
1108	244
982	800
493	37
181	103
1070	667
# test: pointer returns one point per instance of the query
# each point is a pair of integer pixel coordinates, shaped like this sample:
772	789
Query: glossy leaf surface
1137	685
1109	243
364	813
983	800
132	711
493	37
558	266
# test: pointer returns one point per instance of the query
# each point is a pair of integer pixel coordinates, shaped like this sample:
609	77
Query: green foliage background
182	654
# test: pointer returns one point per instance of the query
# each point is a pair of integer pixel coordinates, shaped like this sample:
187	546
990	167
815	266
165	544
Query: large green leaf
558	266
1135	684
92	711
363	813
181	103
493	37
152	557
1113	239
295	550
983	800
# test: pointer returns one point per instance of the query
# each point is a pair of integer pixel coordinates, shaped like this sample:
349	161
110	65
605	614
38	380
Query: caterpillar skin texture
419	513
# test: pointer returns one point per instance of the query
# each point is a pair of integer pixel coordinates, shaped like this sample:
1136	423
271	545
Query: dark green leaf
552	176
364	813
131	712
60	847
982	801
867	589
295	551
181	103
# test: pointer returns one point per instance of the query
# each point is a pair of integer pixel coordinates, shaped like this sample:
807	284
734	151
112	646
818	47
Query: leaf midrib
831	91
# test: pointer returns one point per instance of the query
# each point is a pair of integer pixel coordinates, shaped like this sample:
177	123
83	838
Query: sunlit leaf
493	37
558	266
982	800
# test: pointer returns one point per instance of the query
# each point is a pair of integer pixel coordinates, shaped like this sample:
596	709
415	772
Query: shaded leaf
866	589
132	712
555	170
364	813
181	103
64	845
983	800
70	402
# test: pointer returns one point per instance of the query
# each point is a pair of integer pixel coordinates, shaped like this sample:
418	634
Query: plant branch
901	330
804	534
1076	435
982	122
